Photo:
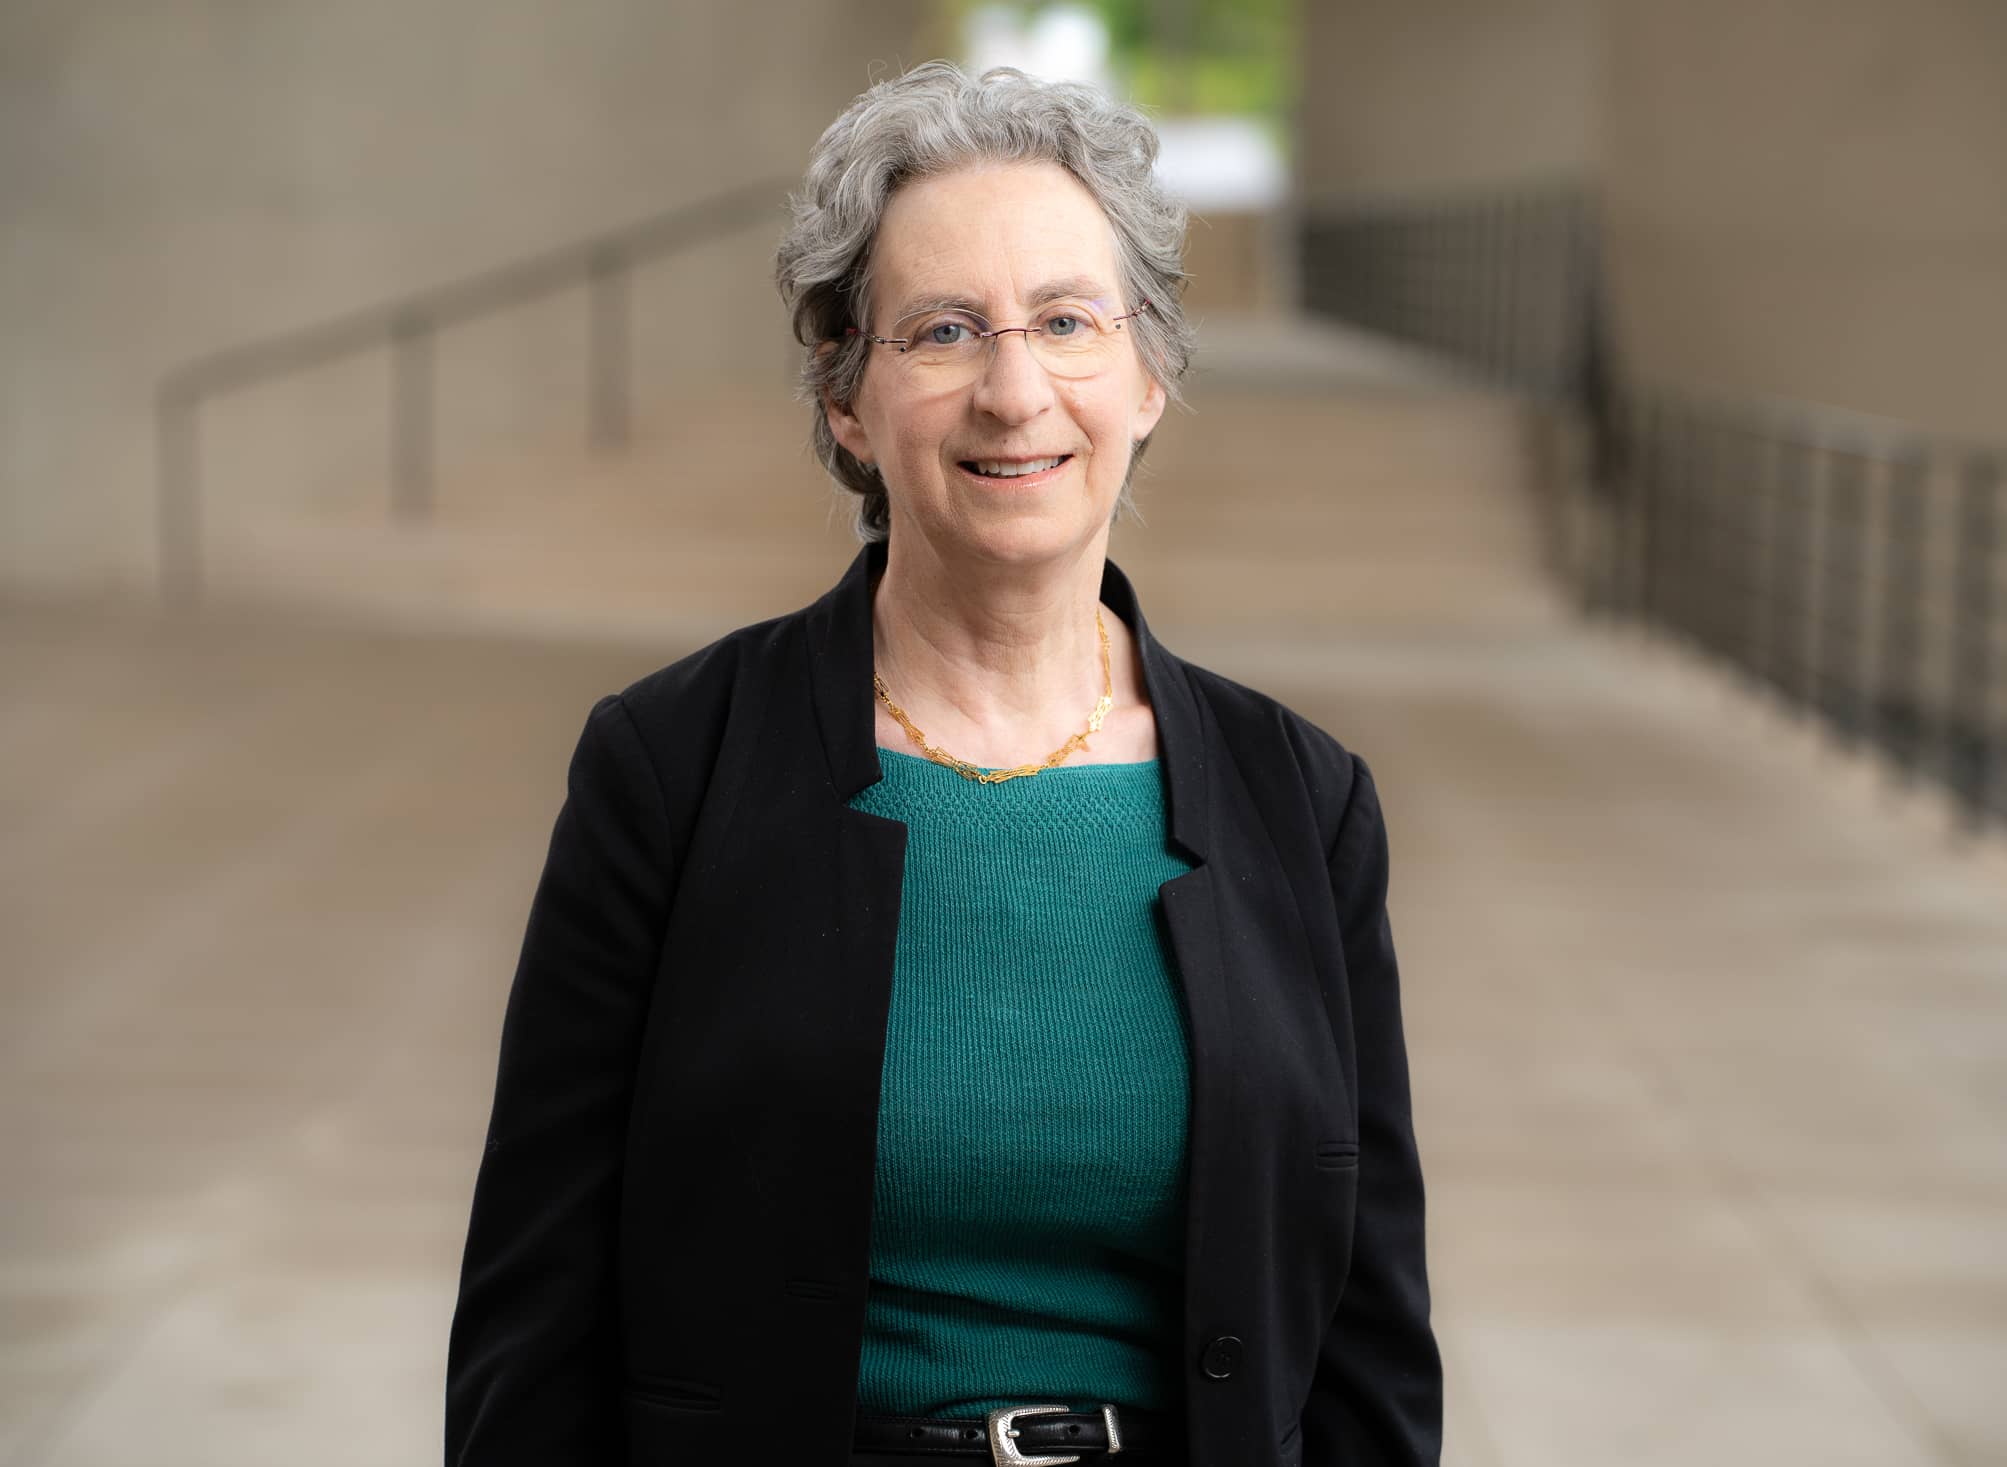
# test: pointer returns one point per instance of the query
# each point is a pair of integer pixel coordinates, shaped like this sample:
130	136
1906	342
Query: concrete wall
1804	199
182	175
1808	199
1422	97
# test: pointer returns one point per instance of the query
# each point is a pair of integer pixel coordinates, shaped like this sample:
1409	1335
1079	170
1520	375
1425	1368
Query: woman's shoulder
1263	733
675	721
696	690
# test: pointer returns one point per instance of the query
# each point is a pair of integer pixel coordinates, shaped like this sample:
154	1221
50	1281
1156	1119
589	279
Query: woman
949	1024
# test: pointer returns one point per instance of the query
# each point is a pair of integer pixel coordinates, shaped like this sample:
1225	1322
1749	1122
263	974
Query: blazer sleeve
533	1361
1376	1398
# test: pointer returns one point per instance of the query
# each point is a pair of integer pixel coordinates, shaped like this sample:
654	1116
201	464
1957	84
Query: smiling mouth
1005	468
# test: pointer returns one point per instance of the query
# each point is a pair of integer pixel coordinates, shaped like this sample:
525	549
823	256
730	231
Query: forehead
992	235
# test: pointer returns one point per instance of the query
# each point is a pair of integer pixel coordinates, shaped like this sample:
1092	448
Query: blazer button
1222	1356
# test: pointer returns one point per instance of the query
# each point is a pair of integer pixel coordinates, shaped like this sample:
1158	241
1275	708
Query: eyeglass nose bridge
994	333
994	337
993	340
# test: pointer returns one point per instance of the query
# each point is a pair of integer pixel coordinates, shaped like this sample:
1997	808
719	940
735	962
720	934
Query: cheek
918	439
919	433
1104	417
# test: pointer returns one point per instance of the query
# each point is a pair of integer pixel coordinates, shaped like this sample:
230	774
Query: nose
1013	387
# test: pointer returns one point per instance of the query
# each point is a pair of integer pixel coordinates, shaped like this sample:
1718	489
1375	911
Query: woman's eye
942	333
1064	325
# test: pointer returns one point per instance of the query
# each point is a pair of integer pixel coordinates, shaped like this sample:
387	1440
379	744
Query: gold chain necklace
997	776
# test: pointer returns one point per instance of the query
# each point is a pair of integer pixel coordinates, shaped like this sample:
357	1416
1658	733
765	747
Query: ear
843	423
1151	409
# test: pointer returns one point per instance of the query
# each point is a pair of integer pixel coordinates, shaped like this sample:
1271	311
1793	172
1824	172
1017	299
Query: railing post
1760	486
1840	674
1647	584
1730	506
1496	285
610	349
178	506
411	419
1791	573
1742	479
1975	666
1408	293
1675	516
1896	708
1444	316
1714	580
1682	497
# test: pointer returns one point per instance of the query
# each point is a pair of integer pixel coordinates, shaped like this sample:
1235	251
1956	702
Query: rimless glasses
951	348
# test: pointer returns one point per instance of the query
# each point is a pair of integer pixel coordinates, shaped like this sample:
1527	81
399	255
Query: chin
1032	539
1023	526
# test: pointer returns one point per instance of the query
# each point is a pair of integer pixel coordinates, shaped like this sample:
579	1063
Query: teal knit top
1027	1240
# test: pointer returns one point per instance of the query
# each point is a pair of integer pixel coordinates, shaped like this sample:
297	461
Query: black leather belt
1022	1434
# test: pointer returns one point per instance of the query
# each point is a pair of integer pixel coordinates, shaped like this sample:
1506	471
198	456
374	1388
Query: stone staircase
1318	481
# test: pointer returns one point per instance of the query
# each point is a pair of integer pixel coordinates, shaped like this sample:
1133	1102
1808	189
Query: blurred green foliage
1251	86
1190	57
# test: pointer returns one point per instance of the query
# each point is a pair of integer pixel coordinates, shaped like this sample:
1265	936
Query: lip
1022	481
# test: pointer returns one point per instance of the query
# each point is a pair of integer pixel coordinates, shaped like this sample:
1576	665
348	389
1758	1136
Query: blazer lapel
1193	917
840	665
1181	739
840	653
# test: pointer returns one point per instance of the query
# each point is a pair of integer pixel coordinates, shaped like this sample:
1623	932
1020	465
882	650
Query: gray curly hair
934	119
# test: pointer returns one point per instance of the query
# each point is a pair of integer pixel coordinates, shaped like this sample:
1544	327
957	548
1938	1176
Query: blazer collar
840	667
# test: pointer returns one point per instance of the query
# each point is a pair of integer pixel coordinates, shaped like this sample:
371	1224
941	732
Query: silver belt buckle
1003	1450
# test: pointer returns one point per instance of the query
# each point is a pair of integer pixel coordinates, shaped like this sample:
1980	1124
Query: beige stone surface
187	176
1707	1021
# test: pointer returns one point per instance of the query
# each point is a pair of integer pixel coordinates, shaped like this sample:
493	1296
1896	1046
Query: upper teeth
1011	470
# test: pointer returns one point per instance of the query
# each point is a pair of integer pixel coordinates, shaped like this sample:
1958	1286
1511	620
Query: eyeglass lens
1069	339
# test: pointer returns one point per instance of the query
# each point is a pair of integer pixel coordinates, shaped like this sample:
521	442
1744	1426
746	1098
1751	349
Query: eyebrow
1084	287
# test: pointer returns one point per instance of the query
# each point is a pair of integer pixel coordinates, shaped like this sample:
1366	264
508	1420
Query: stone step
1362	492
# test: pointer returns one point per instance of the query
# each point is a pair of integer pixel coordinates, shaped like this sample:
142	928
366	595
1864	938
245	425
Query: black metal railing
1857	568
1854	568
1502	282
405	329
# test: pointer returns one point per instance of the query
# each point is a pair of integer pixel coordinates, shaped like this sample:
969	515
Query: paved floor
1708	1023
1709	1032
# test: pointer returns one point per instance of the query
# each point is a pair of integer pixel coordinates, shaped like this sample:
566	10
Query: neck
997	664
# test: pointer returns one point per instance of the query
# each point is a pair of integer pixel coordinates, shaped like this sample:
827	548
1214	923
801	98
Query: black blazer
671	1224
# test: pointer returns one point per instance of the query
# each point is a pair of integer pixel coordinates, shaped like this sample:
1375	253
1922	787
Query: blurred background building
1597	423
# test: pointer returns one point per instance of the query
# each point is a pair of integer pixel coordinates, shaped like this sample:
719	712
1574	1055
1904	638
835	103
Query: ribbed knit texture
1028	1230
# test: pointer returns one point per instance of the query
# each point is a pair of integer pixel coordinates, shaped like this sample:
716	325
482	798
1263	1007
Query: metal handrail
1495	279
407	326
1854	565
